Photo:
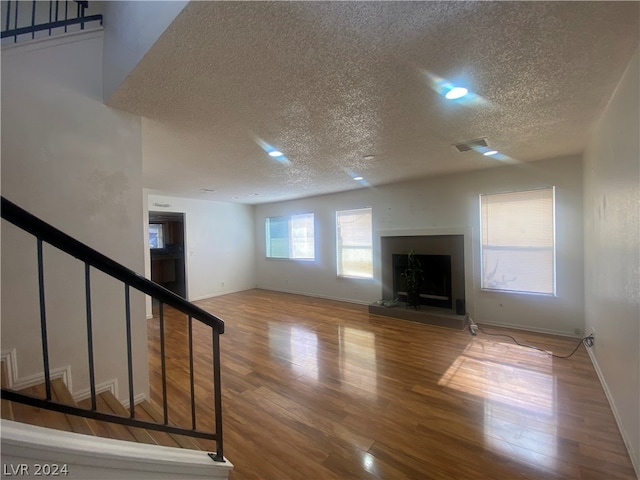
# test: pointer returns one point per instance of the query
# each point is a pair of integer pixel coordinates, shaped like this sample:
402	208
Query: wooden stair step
110	404
38	416
105	402
162	438
47	418
62	394
106	429
153	412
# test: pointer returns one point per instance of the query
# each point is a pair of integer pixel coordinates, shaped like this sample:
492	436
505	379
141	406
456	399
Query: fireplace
441	253
443	263
435	288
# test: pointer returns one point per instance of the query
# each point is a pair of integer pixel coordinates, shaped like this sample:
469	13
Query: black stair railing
22	17
45	233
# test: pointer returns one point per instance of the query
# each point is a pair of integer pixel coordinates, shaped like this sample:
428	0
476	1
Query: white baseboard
527	328
315	295
18	383
632	454
141	397
108	386
292	292
15	382
8	358
217	294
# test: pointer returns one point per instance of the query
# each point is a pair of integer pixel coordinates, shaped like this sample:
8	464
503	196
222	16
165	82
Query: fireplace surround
438	250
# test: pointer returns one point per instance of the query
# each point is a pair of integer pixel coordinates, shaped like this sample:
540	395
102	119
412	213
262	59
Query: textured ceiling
329	83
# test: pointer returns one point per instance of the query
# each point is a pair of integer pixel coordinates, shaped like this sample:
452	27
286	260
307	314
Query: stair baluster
92	259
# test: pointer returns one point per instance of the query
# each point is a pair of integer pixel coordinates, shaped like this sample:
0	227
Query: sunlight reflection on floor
297	346
357	361
355	366
510	391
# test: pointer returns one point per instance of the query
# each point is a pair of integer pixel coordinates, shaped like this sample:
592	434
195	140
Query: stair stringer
90	458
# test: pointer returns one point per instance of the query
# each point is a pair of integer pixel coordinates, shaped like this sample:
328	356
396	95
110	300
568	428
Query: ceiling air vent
472	144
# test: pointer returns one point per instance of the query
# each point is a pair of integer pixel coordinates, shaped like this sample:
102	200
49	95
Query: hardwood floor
318	389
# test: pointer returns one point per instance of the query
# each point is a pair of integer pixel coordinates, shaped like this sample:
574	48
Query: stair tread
105	402
156	415
61	393
163	438
38	416
106	429
47	418
6	410
140	434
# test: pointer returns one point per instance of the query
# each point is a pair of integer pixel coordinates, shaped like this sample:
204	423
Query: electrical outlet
591	338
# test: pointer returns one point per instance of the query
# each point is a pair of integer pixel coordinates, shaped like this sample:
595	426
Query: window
354	243
518	241
291	237
156	235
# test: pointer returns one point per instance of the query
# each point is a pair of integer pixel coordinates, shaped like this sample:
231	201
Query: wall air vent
472	144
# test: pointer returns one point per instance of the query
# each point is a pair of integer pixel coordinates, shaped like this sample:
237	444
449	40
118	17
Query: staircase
50	423
98	437
107	402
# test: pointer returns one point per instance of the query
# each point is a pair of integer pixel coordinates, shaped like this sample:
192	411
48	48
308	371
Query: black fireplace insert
435	288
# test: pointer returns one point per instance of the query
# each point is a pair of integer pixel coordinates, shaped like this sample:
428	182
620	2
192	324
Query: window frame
553	247
339	248
160	235
290	239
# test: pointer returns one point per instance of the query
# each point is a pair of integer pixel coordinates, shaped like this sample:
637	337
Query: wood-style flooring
319	389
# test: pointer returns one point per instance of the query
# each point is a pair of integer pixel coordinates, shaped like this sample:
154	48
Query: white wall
131	29
219	244
612	253
76	164
446	204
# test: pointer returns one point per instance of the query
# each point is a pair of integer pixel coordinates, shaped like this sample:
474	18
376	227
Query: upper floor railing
92	259
34	19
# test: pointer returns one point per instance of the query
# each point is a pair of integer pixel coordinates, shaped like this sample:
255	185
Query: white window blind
518	241
354	244
291	236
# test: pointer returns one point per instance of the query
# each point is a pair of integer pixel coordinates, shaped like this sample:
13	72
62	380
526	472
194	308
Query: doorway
166	244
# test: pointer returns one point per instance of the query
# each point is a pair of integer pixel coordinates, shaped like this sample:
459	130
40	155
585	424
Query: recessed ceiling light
456	92
368	157
276	153
358	178
489	153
